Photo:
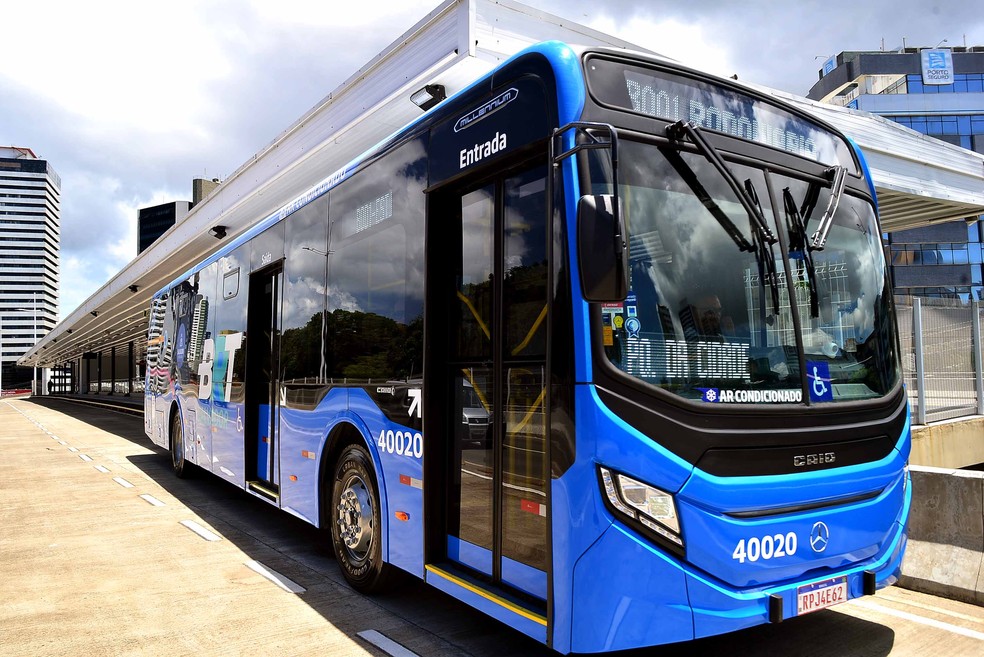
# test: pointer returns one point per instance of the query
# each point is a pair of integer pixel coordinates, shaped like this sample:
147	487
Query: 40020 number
767	547
402	443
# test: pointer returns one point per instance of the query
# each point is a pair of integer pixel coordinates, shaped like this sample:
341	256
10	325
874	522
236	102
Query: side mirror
602	249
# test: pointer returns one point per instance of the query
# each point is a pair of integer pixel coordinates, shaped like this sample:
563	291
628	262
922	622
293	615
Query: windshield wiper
763	252
759	223
690	177
797	244
763	237
838	176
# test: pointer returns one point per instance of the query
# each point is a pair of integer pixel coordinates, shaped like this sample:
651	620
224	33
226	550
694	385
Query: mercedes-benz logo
819	537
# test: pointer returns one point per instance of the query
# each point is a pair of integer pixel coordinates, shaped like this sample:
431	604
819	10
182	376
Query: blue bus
601	345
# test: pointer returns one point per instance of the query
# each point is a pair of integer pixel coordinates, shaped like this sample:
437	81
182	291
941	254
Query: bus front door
262	363
496	279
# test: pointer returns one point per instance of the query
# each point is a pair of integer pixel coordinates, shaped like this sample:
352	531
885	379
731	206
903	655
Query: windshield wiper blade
689	177
763	238
809	205
838	175
797	244
763	252
681	128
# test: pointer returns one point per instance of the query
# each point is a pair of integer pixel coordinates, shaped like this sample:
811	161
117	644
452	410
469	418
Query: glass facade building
154	221
938	260
964	128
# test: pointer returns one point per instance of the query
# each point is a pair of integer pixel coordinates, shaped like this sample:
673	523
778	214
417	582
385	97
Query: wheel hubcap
355	518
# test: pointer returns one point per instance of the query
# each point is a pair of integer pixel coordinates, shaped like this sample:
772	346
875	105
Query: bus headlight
641	503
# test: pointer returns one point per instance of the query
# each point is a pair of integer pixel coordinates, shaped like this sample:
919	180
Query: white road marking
280	580
386	644
73	449
85	457
150	499
922	620
938	610
123	482
101	469
201	531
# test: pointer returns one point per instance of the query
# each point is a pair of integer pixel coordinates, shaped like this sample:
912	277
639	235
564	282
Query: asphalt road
104	552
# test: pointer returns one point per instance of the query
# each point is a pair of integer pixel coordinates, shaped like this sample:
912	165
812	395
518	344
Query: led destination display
713	107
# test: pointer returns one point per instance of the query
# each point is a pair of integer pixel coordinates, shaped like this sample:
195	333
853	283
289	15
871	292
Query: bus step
497	601
264	489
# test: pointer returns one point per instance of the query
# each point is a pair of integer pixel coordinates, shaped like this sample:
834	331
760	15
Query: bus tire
356	523
178	463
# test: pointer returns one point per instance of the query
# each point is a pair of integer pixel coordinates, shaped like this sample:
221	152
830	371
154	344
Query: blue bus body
767	525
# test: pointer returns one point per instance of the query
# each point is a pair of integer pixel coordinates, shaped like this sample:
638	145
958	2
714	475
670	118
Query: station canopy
919	180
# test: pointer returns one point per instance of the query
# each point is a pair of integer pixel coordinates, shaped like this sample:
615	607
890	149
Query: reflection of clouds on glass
518	251
524	212
681	253
369	272
376	262
342	300
302	263
305	248
476	223
870	265
302	299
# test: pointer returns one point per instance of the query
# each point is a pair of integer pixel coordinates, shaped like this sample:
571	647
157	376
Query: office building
30	238
938	92
154	221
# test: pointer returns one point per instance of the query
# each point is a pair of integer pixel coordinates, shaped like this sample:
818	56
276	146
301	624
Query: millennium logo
487	109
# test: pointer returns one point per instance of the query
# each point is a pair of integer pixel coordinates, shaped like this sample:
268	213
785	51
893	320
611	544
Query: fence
941	356
118	388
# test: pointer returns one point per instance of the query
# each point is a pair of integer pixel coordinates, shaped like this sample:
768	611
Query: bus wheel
356	523
178	463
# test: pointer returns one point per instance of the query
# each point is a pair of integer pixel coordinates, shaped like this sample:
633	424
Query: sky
129	101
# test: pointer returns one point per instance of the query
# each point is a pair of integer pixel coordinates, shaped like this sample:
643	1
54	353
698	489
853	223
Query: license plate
820	595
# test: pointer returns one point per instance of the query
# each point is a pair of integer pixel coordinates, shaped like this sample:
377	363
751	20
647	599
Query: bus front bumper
647	597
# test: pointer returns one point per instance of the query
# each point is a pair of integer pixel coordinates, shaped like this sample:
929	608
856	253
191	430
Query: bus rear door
262	401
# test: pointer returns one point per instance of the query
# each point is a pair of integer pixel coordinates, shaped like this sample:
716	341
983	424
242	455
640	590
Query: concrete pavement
95	560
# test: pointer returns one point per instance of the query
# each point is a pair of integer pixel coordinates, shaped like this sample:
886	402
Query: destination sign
713	107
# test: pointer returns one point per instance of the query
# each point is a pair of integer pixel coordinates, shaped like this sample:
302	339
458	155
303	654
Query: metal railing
941	357
119	388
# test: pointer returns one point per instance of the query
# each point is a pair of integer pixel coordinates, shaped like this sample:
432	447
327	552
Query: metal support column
112	370
975	324
129	369
917	344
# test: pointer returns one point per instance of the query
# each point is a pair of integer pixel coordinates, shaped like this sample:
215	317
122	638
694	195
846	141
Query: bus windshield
709	314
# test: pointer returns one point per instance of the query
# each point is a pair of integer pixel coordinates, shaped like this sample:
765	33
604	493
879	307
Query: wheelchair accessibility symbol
818	373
